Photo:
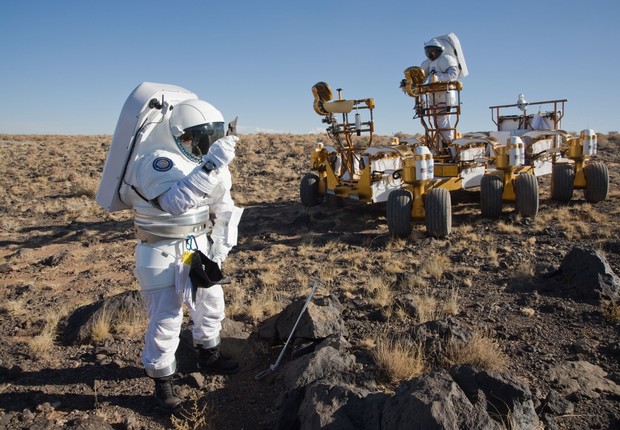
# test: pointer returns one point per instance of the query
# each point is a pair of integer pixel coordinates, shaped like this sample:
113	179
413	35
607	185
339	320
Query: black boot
166	395
212	361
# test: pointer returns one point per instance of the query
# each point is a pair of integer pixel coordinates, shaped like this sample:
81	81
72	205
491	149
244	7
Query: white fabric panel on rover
388	165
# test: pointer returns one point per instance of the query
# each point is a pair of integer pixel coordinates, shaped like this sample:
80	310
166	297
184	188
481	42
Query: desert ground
60	252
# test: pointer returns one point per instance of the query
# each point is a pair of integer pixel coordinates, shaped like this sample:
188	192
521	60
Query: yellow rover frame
353	175
342	133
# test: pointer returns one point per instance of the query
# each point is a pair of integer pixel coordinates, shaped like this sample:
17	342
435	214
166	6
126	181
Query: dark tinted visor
197	140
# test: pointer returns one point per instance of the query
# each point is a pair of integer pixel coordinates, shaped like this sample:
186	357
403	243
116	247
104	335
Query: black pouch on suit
205	273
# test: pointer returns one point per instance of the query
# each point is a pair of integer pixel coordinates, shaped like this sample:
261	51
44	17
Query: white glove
222	152
218	252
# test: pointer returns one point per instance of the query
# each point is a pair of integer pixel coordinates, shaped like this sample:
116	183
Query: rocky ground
59	251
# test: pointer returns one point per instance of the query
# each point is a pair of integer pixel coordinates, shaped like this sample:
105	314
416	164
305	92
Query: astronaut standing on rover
440	66
177	183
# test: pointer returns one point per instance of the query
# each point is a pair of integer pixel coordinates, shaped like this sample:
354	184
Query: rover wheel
438	213
399	206
309	190
526	189
562	179
491	190
597	182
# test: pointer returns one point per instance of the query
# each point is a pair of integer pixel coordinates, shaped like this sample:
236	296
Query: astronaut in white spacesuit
178	185
440	66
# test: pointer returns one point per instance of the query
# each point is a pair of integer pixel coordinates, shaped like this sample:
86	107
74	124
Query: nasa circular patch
162	164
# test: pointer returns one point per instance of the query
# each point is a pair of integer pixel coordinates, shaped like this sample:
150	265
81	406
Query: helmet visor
197	140
432	52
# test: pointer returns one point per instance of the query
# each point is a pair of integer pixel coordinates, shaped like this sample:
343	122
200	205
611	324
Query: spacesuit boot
210	360
166	394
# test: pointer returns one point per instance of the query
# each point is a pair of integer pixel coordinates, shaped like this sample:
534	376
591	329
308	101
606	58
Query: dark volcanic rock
590	274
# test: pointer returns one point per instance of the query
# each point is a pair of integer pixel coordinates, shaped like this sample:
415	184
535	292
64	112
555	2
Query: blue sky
68	66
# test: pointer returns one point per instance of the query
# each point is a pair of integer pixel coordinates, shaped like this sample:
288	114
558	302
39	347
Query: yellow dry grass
42	343
480	351
380	292
506	228
263	305
611	310
435	266
400	359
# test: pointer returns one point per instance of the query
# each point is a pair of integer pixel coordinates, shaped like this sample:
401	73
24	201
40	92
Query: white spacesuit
177	182
441	66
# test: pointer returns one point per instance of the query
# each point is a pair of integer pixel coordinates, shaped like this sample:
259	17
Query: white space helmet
196	125
433	49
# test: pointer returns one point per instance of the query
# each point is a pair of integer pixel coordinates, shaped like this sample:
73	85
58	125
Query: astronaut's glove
218	252
222	152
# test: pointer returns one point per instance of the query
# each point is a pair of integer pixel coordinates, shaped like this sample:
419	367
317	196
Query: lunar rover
415	176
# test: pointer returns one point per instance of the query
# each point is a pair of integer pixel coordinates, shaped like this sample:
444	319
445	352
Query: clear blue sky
68	66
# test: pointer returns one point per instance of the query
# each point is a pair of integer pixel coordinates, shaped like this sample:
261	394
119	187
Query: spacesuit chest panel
157	172
153	175
440	65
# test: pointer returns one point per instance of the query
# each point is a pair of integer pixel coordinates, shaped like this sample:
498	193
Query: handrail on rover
428	111
557	118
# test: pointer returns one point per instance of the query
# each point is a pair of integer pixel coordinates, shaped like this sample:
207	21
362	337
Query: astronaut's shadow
75	231
95	377
290	222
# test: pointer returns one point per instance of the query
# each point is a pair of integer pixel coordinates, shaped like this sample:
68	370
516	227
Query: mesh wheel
438	206
597	182
309	190
491	190
562	180
526	188
399	206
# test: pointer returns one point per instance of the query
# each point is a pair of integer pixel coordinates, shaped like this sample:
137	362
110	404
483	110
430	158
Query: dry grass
101	326
400	359
270	277
236	296
435	266
263	305
480	351
192	418
16	308
105	324
42	343
578	222
414	282
83	186
525	269
380	293
394	266
427	307
451	304
493	256
611	310
505	228
130	324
